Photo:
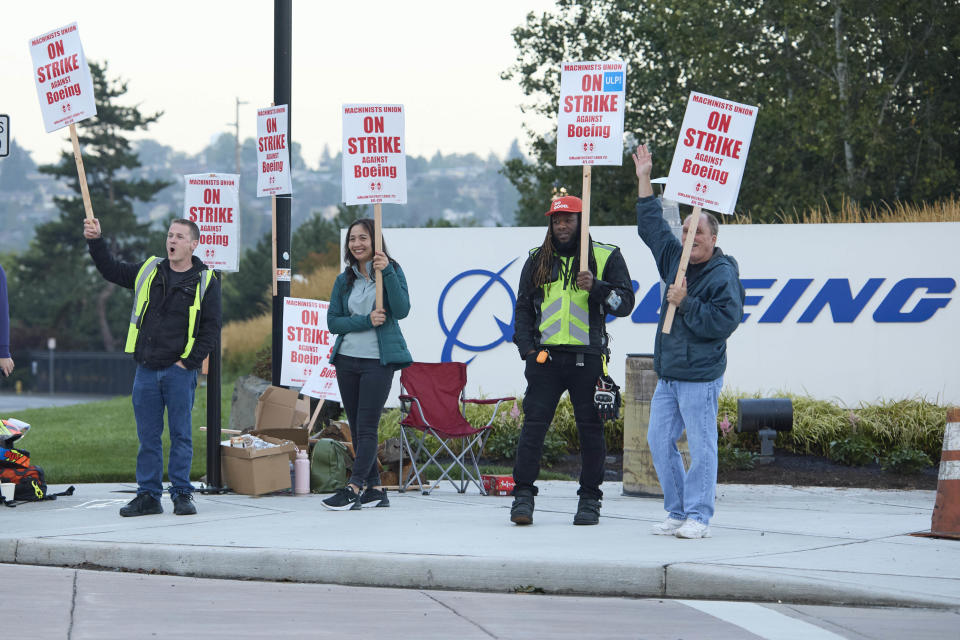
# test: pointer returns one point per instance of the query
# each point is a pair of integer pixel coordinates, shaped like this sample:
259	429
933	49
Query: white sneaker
693	529
666	528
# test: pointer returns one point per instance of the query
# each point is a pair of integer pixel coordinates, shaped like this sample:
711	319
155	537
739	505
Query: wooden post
84	190
682	269
378	246
273	239
585	222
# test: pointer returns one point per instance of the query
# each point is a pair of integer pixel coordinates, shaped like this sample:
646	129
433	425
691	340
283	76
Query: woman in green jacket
368	350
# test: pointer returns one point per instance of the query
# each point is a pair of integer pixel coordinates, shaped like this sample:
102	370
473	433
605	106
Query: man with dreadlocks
560	330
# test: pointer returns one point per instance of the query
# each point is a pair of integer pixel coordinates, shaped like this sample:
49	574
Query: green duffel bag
328	466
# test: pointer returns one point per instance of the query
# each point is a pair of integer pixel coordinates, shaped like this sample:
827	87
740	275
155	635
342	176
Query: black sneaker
521	512
588	511
183	505
143	505
375	495
344	499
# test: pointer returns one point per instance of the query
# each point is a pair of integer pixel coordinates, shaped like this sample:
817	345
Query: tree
15	168
315	243
58	291
857	99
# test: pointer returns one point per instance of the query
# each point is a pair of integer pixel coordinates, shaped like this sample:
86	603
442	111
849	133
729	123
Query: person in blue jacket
368	350
690	360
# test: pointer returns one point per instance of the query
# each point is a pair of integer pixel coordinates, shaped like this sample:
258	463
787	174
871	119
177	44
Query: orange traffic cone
946	512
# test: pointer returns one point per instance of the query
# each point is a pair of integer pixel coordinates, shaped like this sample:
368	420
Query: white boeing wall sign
836	311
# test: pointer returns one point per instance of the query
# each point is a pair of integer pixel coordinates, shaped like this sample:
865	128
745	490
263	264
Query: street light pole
282	42
236	138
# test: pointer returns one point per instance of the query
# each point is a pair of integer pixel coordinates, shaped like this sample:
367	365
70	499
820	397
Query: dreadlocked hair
546	257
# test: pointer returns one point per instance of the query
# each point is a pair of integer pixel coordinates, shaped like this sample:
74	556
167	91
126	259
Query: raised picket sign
273	153
212	200
711	153
60	71
374	154
590	118
307	342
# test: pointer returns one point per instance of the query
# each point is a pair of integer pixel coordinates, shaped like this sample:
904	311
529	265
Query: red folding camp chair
432	404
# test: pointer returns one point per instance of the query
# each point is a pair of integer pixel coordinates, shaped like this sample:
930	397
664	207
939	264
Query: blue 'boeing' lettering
845	306
836	294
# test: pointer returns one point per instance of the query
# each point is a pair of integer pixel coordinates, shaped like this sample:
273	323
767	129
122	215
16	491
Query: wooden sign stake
378	246
585	221
682	269
84	190
313	418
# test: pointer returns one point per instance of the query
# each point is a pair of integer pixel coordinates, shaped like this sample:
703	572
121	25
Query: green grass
97	442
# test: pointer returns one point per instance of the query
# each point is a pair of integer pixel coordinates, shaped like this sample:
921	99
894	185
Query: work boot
143	505
183	505
521	512
588	511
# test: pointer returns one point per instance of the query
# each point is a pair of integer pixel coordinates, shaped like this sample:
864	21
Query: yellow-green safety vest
564	312
141	297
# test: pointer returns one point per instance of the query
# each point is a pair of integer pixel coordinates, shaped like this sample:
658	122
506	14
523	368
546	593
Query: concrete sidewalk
789	544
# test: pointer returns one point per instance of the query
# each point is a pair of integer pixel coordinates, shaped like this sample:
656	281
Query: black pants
364	384
545	384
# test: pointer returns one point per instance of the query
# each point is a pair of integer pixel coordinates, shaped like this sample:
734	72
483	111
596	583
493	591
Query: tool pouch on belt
606	398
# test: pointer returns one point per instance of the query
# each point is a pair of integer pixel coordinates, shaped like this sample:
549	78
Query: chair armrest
406	406
496	401
485	400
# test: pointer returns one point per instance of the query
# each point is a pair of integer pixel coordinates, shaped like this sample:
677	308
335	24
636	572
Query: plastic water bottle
301	474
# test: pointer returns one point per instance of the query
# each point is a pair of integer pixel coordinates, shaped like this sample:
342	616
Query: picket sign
65	90
590	125
273	166
212	201
708	164
374	163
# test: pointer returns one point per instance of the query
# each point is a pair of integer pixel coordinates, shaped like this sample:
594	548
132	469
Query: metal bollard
764	416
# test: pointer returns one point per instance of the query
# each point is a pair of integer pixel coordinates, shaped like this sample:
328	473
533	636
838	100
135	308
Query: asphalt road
81	604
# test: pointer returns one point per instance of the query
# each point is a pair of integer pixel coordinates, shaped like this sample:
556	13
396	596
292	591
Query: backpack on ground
328	465
15	467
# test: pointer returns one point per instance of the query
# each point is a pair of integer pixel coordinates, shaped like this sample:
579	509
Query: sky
441	59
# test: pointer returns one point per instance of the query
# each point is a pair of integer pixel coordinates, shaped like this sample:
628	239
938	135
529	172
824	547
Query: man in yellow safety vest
174	324
560	330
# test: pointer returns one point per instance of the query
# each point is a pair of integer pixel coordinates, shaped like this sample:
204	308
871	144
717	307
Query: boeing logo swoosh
453	332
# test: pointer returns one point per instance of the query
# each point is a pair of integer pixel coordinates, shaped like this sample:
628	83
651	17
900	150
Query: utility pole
236	138
282	44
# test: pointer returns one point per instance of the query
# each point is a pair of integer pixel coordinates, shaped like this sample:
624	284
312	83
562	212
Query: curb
466	573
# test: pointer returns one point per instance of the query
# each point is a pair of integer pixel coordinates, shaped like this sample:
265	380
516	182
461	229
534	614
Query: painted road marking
762	621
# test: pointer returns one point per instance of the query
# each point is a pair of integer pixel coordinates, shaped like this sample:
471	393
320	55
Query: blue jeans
153	390
676	406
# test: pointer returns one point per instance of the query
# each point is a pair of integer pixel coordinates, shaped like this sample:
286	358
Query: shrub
905	460
732	458
855	450
502	445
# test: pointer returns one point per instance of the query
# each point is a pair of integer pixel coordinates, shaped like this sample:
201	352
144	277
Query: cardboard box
254	472
298	437
497	485
281	413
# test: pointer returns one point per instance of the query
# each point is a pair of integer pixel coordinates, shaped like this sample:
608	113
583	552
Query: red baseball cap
565	204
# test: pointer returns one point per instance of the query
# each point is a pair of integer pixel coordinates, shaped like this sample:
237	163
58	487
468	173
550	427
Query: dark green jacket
396	302
695	350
